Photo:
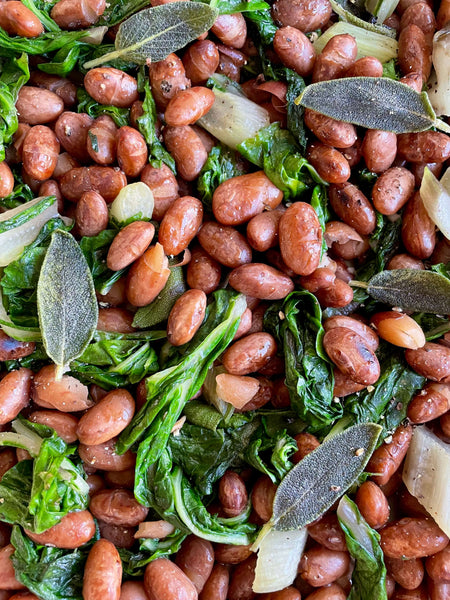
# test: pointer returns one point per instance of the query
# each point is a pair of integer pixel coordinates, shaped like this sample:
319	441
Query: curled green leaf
372	102
66	301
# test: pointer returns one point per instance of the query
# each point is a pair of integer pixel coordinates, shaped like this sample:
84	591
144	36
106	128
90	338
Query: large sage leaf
372	102
317	481
152	34
411	289
66	301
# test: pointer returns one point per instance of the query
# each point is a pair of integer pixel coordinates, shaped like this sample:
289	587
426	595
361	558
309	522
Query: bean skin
118	507
414	53
424	147
407	573
91	214
196	559
188	106
295	50
386	459
216	587
327	532
241	580
249	354
355	325
167	77
111	86
129	244
438	566
352	355
147	276
105	457
225	244
261	281
200	61
203	272
418	230
17	19
74	530
132	151
300	237
430	403
106	181
432	361
76	14
180	224
320	566
186	317
373	505
230	29
102	572
187	150
392	190
14	393
8	579
163	580
72	132
306	16
328	162
379	149
262	230
412	538
334	60
37	106
164	187
350	205
367	66
329	131
64	424
106	419
40	152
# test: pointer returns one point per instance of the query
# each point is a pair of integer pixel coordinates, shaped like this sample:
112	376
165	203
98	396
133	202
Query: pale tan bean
64	424
111	86
37	106
180	224
224	244
148	276
102	572
66	394
300	237
186	317
74	530
118	507
8	579
105	457
129	244
163	580
106	419
15	390
261	281
399	329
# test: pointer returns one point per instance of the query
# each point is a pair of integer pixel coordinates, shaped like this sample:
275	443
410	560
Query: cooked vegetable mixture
224	300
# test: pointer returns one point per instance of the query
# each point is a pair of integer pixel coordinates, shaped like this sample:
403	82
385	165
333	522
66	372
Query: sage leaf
66	301
152	34
410	289
372	102
317	481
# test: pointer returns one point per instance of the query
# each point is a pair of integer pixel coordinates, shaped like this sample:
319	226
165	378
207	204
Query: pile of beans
262	248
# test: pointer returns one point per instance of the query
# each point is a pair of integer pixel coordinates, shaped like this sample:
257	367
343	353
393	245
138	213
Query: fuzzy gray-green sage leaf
317	481
152	34
372	102
66	301
411	289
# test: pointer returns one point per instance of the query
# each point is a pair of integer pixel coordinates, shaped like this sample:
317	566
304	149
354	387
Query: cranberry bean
419	593
132	151
337	295
180	224
107	181
300	238
329	131
261	281
186	317
17	19
262	497
167	77
420	14
8	459
203	272
74	530
77	14
328	162
344	386
216	587
443	14
164	187
61	86
241	580
36	106
404	261
64	424
224	244
66	394
320	566
129	244
188	106
379	149
386	459
414	53
102	572
438	590
327	532
351	353
8	579
118	507
306	443
133	590
105	457
232	494
200	60
230	29
355	325
14	394
106	419
414	81
163	580
329	592
91	214
367	66
407	573
6	180
350	205
432	361
262	230
11	349
306	16
412	538
196	559
117	320
72	132
425	146
120	536
147	276
392	190
102	140
121	479
289	593
444	422
295	50
337	56
187	150
344	241
398	329
249	354
438	566
373	505
111	86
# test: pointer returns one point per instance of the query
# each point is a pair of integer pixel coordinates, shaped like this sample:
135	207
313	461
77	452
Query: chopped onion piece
95	35
439	82
445	180
426	475
369	43
436	200
278	557
210	393
134	202
233	119
237	390
154	529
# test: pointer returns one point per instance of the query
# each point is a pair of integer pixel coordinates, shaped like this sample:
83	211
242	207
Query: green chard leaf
67	305
374	103
118	10
153	33
86	104
411	289
134	563
317	481
228	7
262	21
14	74
95	249
363	542
42	8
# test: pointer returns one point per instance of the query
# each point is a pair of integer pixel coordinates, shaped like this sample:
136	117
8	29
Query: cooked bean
74	530
367	66
261	281
133	590
106	419
306	16
295	50
373	505
306	443
102	572
327	532
77	14
203	272
8	579
404	261
11	349
355	325
132	151
351	353
167	77
61	86
186	317
386	459
196	559
8	459
300	238
443	14
438	566
344	241
105	457
224	244
117	320
188	106
444	422
164	187
249	354
329	131
163	580
216	587
420	14
392	190
101	140
337	56
200	60
232	494
262	230
432	361
379	149
17	19
72	132
66	394
6	179
230	29
424	147
328	162
187	150
111	86
344	386
129	244
14	393
180	224
241	580
120	536
37	106
107	181
91	214
64	424
438	590
350	204
337	295
412	538
414	53
147	276
320	566
407	573
419	593
329	592
289	593
398	329
118	507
